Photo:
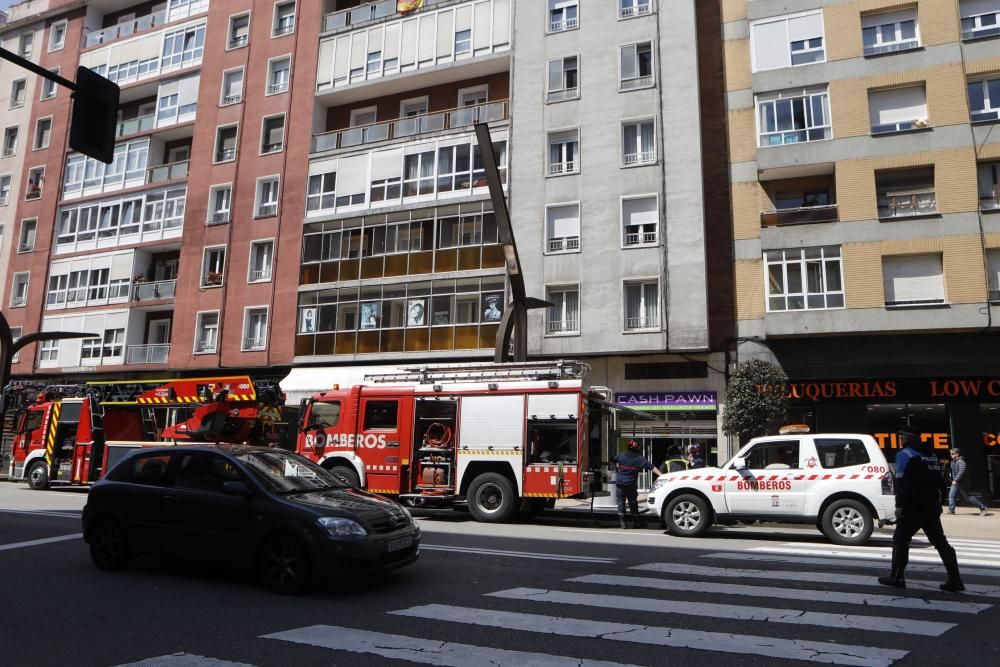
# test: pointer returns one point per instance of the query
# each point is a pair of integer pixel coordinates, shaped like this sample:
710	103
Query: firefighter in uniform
919	490
629	464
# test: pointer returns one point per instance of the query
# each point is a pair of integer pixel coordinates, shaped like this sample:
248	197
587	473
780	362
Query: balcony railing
260	275
33	193
267	210
225	154
635	10
640	158
238	40
563	326
284	28
562	168
410	126
18	301
232	99
253	343
114	32
636	238
641	323
276	88
133	125
219	218
147	354
356	16
161	289
564	243
565	94
167	172
637	82
990	203
9	150
903	206
803	215
563	24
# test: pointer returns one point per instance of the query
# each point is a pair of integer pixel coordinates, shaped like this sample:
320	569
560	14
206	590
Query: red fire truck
73	433
501	437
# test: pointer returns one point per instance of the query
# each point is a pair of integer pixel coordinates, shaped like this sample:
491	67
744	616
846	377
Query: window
984	100
418	174
267	197
114	343
322	192
787	41
5	189
220	201
793	116
638	143
841	452
636	66
17	93
48	351
642	305
640	221
989	185
905	192
781	455
980	18
49	87
381	414
563	15
213	266
182	48
261	261
913	280
284	18
564	152
255	328
26	241
19	290
279	72
57	35
9	141
232	86
890	31
272	134
629	8
804	279
897	109
206	332
993	264
324	414
562	227
463	42
15	335
225	143
36	176
205	472
150	470
25	45
564	314
43	133
563	79
239	31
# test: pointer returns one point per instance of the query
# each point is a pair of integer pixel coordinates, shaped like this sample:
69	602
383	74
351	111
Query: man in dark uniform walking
919	491
630	463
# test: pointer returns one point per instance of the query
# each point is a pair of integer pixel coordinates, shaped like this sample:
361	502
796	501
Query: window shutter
976	7
564	221
390	47
769	44
555	74
352	176
913	279
121	265
387	164
639	211
805	27
188	91
870	20
628	62
445	33
897	105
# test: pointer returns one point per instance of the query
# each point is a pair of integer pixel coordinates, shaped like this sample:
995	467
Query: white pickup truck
840	482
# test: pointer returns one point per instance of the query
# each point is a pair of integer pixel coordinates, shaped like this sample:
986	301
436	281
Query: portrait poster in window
492	307
369	315
415	313
307	320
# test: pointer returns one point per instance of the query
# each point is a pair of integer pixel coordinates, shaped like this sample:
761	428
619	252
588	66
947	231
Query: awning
304	382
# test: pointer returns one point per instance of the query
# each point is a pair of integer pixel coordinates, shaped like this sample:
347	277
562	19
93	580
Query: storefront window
885	420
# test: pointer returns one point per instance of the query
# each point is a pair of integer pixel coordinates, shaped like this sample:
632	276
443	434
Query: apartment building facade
864	182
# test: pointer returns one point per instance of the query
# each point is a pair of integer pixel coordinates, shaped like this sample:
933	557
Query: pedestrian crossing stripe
842	552
852	561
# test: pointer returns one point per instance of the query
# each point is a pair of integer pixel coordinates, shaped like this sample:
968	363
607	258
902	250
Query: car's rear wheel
38	475
350	474
847	522
687	516
109	545
283	565
491	498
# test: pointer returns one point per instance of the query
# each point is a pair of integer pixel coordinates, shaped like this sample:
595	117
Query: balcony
637	82
802	215
260	275
161	289
276	88
167	172
267	210
18	301
410	126
357	16
134	125
564	244
219	218
141	24
637	323
632	159
147	354
563	326
253	343
562	168
907	205
635	10
640	238
232	99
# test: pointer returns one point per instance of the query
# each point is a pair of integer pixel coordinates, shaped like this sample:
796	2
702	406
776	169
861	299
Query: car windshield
284	472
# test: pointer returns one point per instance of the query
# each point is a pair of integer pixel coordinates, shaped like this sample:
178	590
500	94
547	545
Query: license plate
399	543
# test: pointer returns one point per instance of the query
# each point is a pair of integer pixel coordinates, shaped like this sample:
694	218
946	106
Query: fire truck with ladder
72	434
501	437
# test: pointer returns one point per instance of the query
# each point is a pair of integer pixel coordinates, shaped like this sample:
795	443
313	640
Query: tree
756	400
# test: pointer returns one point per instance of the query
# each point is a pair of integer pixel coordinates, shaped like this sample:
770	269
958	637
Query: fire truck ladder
561	369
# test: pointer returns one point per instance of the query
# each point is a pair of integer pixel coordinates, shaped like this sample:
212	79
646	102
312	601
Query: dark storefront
947	387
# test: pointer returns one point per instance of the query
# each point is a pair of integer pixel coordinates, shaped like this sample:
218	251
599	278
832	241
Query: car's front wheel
847	522
109	545
38	475
283	565
687	516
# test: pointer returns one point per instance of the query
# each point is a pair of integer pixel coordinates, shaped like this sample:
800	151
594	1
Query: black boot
950	560
896	578
621	521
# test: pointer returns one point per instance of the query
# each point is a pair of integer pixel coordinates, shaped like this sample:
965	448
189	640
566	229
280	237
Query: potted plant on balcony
34	191
213	278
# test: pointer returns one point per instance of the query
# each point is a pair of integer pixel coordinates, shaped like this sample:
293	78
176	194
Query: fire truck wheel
350	474
848	522
38	475
108	545
687	516
491	498
283	565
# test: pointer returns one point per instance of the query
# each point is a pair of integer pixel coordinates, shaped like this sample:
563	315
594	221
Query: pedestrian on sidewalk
630	463
919	491
960	484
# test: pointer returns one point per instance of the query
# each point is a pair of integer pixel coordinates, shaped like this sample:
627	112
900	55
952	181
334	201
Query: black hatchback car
261	509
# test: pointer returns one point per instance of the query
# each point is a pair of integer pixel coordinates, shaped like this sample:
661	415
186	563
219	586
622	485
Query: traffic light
95	116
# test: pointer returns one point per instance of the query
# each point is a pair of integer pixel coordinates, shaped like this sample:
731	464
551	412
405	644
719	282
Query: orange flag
404	6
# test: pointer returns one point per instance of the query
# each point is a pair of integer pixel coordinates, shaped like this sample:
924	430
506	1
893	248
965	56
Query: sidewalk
965	523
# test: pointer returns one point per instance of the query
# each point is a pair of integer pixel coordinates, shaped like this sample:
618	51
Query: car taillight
888	485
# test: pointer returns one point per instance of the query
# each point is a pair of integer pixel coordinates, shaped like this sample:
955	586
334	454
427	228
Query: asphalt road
561	590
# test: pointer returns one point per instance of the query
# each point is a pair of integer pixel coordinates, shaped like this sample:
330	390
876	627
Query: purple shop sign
668	400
